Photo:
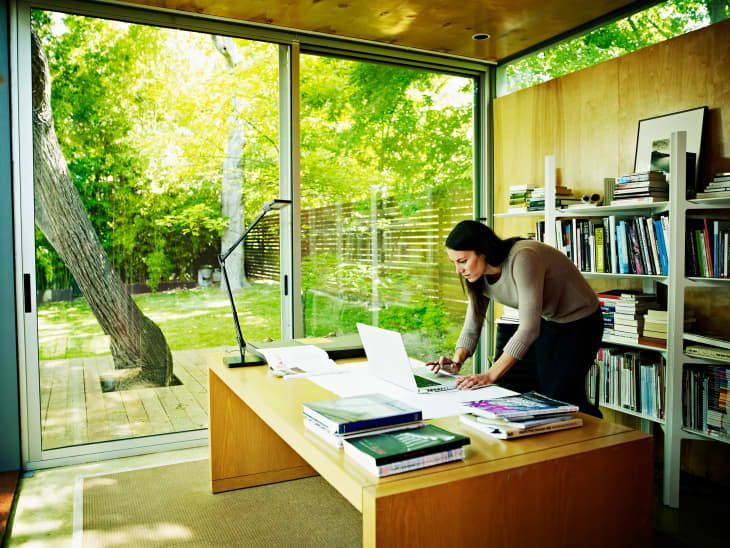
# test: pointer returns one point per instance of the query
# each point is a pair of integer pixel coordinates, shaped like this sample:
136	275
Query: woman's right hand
446	365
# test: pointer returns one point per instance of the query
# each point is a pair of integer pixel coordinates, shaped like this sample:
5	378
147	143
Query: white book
504	433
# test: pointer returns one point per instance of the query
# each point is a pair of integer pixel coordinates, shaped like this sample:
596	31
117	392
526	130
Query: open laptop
389	360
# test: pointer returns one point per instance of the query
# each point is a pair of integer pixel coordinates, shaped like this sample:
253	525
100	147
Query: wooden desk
589	486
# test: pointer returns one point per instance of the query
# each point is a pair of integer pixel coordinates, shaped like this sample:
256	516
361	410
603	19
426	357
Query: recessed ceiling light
480	36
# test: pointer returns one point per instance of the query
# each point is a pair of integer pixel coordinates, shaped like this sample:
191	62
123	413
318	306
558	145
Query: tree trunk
232	178
136	341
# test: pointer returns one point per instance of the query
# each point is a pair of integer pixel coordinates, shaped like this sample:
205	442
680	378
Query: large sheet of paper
358	380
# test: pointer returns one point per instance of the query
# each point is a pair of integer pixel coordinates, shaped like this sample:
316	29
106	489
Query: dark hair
479	238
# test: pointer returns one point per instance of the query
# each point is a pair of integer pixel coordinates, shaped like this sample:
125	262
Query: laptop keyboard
423	382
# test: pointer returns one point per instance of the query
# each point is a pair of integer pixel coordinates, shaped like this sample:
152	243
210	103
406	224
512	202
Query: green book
356	413
380	449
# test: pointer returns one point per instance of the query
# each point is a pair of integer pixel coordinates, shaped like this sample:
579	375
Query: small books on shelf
504	429
518	407
710	352
358	413
405	450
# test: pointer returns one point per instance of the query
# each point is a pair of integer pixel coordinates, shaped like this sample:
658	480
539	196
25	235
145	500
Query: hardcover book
530	404
357	413
337	440
380	449
407	465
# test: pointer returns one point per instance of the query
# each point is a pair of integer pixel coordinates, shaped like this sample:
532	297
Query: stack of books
564	198
656	324
719	187
628	317
519	196
519	415
406	450
337	420
641	188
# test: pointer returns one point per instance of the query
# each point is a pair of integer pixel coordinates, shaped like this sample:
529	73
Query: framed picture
653	142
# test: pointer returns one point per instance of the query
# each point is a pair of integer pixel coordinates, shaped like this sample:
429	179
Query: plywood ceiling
444	26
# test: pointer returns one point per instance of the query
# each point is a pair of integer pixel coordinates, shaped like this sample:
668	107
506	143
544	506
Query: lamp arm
223	256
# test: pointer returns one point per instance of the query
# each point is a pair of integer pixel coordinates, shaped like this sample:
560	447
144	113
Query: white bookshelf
676	283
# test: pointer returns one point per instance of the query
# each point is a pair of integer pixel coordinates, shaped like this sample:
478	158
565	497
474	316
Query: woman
559	312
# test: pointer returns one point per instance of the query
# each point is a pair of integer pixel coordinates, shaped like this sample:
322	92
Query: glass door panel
153	150
387	169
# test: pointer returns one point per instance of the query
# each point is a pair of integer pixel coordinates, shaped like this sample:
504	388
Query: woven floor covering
173	506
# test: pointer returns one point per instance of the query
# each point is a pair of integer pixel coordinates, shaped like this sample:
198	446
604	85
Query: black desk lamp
245	359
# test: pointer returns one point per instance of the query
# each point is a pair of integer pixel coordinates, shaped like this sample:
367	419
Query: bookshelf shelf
699	360
699	434
632	413
624	276
602	211
607	339
705	203
707	282
509	214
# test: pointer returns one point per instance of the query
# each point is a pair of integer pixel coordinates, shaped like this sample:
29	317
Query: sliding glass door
153	149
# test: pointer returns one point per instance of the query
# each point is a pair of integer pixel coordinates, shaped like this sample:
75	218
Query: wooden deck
75	410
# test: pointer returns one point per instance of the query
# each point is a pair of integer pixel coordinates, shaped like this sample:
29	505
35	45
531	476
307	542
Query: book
506	432
407	465
530	404
356	413
393	447
711	352
337	440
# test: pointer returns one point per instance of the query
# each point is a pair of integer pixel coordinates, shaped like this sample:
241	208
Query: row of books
705	401
632	380
381	434
719	187
707	246
634	245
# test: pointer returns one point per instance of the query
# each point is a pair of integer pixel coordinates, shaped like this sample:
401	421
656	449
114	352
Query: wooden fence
358	249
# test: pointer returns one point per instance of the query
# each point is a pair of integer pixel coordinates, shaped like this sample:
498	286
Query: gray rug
172	505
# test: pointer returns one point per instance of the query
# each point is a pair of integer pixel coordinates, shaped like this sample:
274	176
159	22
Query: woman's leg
565	353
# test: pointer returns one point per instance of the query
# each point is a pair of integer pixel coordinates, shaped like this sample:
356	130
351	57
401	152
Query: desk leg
600	498
244	451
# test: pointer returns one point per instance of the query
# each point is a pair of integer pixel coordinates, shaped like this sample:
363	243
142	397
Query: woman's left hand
468	382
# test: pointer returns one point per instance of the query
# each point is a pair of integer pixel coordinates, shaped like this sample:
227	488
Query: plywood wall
589	121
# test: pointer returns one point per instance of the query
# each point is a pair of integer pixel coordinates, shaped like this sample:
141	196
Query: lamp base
249	360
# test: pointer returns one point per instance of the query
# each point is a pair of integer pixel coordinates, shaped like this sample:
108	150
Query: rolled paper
594	198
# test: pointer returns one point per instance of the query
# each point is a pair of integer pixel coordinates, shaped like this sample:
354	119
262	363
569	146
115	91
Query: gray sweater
541	282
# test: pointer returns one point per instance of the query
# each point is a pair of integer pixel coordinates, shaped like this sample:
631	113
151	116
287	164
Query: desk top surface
279	404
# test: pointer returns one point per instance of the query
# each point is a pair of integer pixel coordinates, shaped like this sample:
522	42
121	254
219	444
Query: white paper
300	360
435	405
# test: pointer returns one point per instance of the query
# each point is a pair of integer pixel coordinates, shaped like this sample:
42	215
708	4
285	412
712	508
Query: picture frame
653	142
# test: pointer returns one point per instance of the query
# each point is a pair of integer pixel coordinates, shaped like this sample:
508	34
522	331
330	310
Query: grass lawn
201	318
189	318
